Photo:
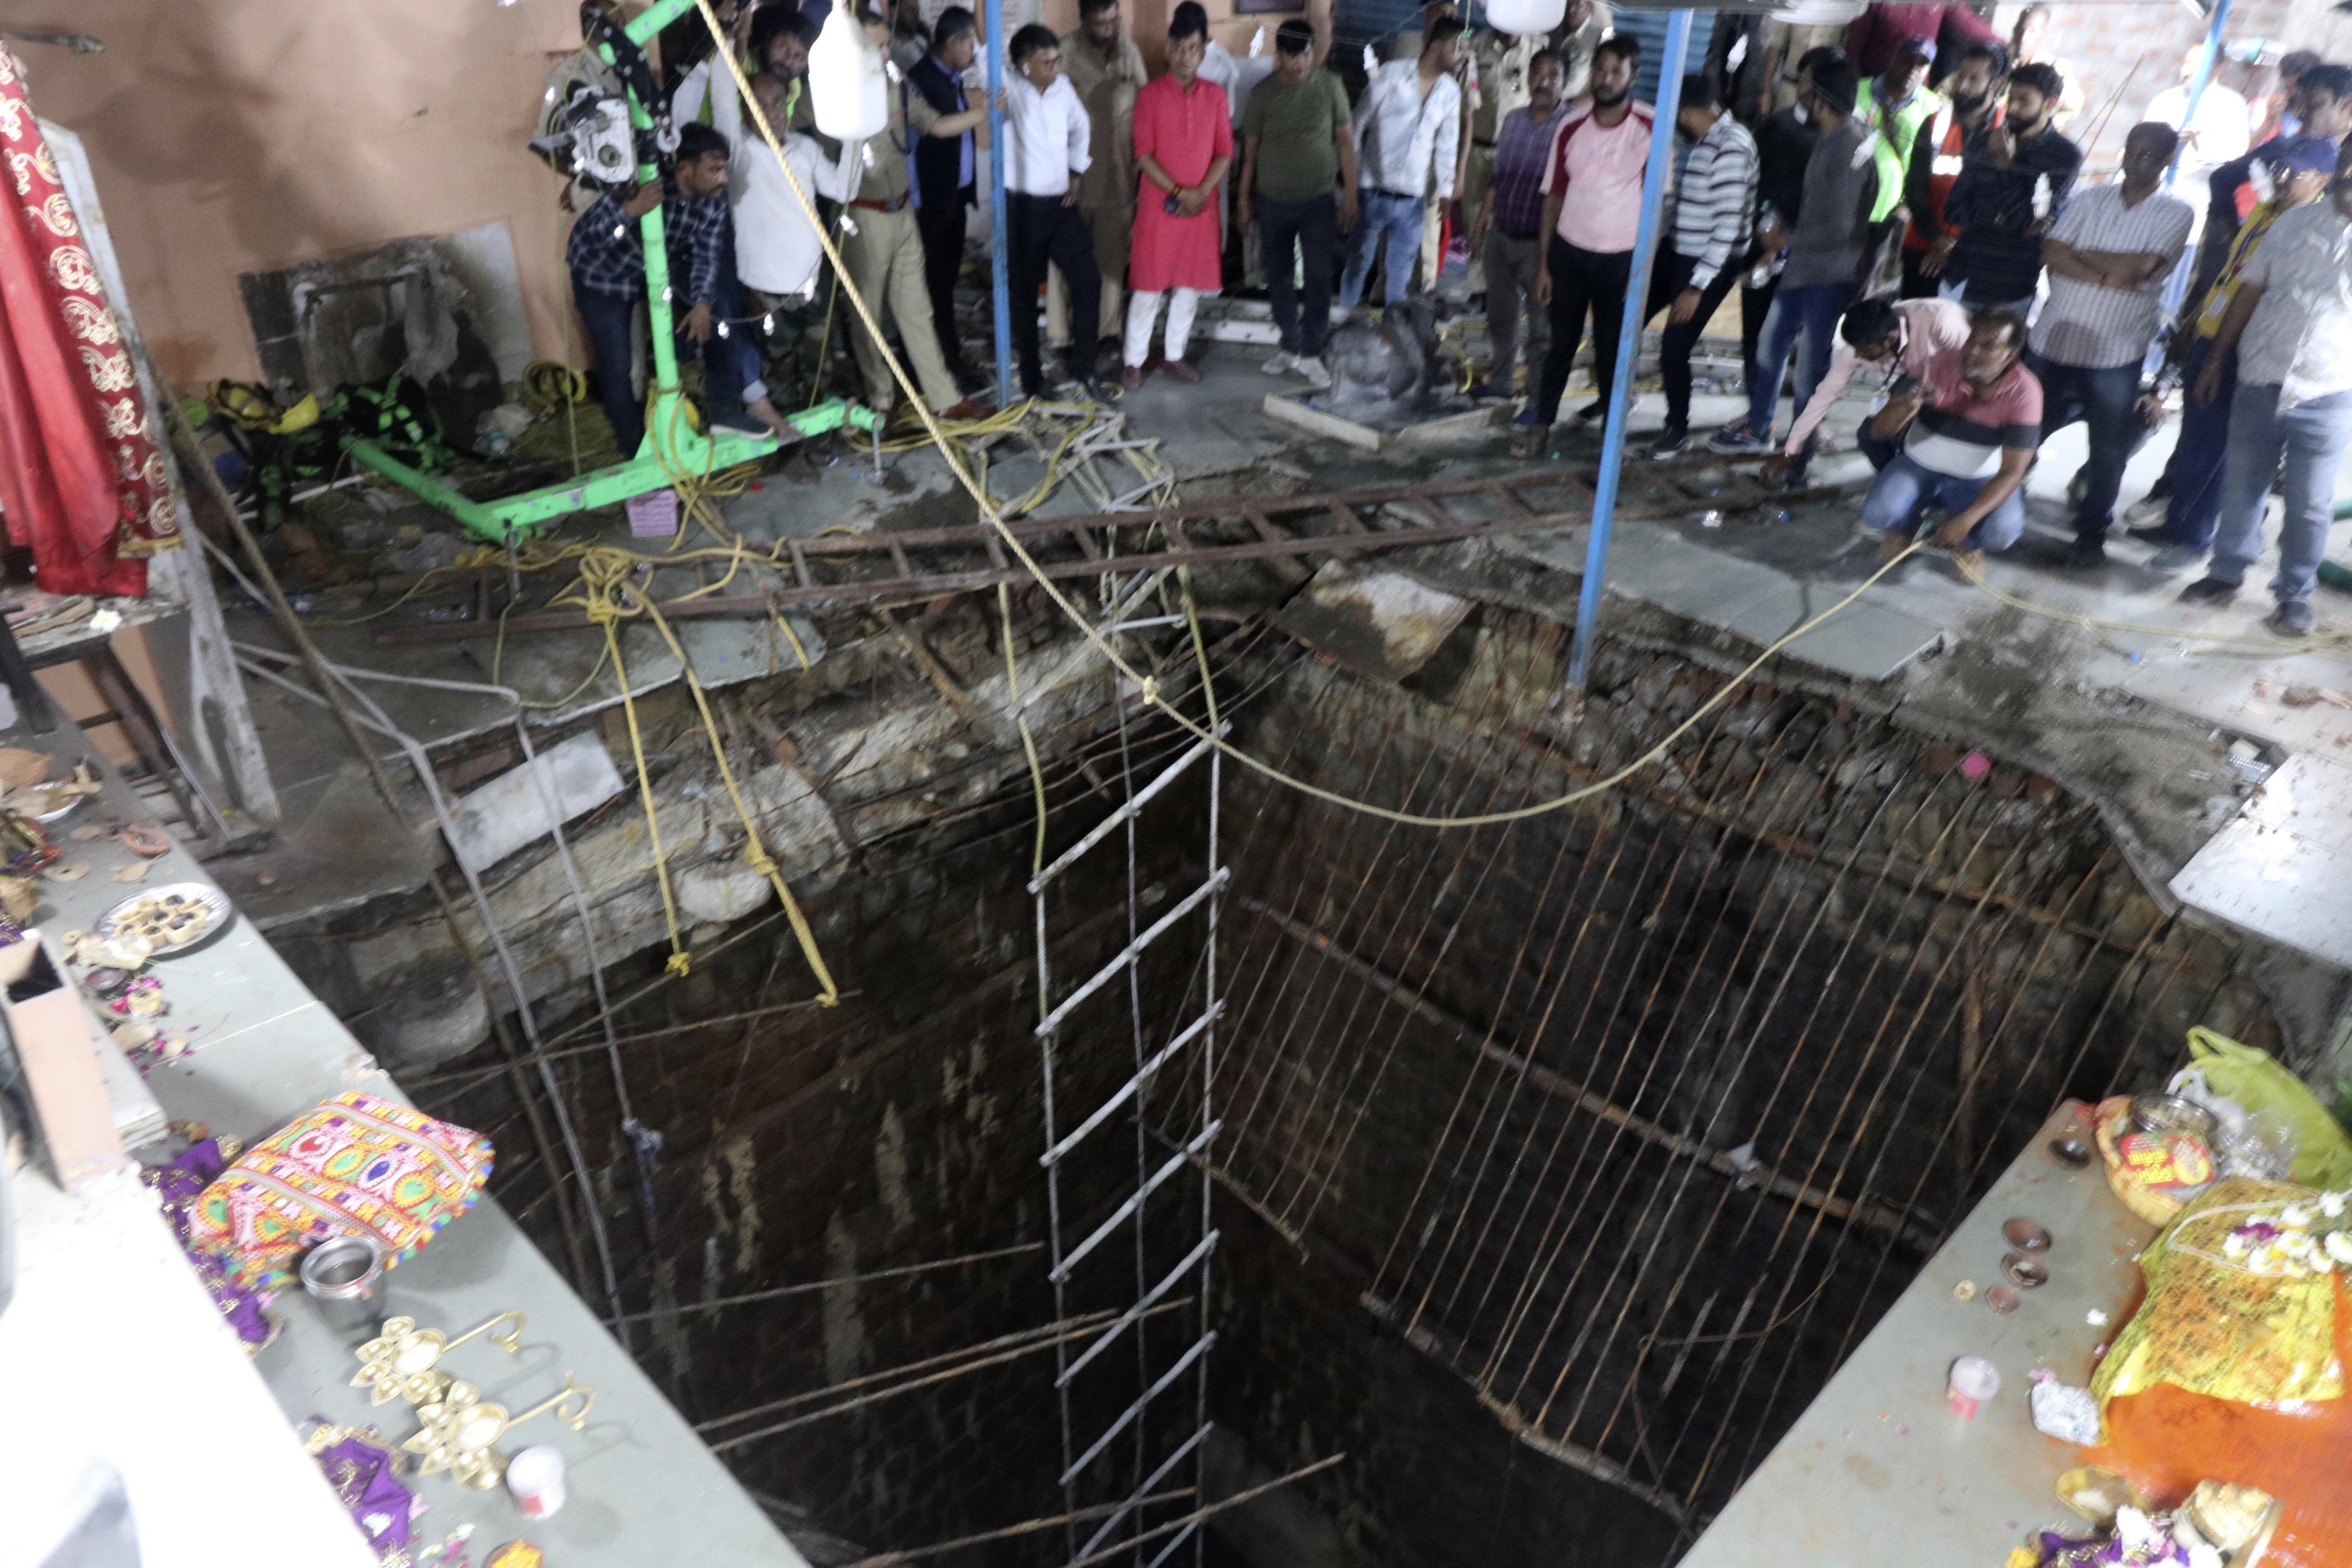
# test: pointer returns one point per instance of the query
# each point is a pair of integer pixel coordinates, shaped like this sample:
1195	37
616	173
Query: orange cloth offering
2231	1375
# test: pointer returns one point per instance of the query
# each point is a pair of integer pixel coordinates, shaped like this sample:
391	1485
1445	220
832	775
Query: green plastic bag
2323	1153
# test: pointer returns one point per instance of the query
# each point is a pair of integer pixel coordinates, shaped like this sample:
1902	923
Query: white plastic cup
1974	1381
535	1476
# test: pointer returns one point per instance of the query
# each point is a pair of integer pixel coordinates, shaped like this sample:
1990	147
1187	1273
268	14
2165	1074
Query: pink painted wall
235	135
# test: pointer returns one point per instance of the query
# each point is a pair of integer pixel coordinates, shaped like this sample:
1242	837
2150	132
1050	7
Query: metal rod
1211	1511
1026	1527
1199	1348
1207	1244
1137	1498
1126	1091
1061	1271
1629	340
1132	950
1109	824
847	1279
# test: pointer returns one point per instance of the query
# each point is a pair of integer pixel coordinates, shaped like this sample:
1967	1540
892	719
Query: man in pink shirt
1904	335
1592	203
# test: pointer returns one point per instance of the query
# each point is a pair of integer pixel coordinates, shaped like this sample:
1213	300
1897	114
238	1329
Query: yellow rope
604	579
1974	573
1150	686
1020	719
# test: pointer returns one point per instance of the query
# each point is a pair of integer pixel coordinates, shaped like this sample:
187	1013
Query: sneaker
1596	409
1312	369
2143	513
1736	441
2208	591
2291	619
1670	441
1283	363
2176	558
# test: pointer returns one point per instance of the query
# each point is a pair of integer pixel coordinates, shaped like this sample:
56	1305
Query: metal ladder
1120	1524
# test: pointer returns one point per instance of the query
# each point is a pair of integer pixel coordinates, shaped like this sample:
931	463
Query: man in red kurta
1183	145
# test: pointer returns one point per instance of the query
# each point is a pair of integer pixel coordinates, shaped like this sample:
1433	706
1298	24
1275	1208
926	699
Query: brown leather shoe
1181	371
1131	377
970	408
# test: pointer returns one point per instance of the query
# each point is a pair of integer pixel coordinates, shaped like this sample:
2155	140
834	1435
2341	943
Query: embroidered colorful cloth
81	481
358	1165
177	1187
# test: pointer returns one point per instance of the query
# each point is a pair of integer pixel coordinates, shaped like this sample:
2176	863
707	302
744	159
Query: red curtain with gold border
81	481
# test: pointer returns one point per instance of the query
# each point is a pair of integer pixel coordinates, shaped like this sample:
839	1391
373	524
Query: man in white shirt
2223	129
1408	130
2107	257
777	254
2291	325
1048	140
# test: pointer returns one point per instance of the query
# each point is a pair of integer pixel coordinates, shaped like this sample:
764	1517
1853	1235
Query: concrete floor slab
2284	868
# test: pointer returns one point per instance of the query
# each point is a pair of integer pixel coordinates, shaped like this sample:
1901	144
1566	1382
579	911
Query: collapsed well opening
1562	1159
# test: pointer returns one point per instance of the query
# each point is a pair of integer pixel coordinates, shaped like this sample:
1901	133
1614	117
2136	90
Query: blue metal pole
1000	243
1628	337
2176	288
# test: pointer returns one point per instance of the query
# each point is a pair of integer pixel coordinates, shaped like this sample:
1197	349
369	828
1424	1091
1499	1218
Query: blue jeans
1904	489
2197	455
2101	399
1392	222
608	319
2311	437
1806	319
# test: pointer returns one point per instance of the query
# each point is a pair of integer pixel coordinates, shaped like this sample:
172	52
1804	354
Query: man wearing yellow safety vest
1896	103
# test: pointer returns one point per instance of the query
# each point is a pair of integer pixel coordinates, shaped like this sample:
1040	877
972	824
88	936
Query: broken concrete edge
919	749
1477	571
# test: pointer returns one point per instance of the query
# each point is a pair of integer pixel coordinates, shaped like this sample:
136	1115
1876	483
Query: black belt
1477	141
1394	196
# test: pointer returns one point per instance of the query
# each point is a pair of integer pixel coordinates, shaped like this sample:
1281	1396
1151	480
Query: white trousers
1143	307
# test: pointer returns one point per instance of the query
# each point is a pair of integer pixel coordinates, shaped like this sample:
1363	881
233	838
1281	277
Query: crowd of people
1925	216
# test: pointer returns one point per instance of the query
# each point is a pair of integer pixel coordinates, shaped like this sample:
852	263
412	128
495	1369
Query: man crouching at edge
1969	430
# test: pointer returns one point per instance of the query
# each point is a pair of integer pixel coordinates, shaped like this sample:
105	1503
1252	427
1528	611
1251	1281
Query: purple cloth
362	1475
176	1186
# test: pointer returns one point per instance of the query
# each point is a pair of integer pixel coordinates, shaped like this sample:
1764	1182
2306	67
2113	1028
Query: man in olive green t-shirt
1298	178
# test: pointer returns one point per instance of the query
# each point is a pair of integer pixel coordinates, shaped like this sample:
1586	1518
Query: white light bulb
768	322
722	329
666	295
620	231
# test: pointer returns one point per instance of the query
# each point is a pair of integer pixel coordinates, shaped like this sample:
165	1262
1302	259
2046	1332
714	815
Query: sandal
1530	441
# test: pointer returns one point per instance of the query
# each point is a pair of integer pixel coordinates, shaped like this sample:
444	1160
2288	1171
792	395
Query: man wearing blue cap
2290	324
2108	256
2300	166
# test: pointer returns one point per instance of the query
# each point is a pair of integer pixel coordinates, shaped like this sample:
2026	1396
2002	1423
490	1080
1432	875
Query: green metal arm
672	448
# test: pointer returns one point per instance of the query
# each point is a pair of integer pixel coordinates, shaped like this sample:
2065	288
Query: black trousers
1582	280
1041	230
1671	276
941	225
1755	304
1286	228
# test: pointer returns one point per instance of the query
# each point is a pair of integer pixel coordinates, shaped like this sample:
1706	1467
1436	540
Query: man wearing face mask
2290	324
1934	159
2014	178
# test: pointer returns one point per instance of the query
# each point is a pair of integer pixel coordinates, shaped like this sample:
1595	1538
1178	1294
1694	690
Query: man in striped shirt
1969	432
1699	269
